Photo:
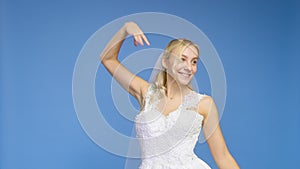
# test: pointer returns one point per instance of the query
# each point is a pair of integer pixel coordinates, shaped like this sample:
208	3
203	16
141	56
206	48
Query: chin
184	82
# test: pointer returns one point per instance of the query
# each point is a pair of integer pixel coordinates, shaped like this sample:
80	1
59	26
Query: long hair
180	45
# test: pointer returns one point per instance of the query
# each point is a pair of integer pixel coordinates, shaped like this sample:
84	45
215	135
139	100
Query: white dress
168	142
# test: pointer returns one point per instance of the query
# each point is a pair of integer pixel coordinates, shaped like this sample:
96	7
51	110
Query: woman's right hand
134	30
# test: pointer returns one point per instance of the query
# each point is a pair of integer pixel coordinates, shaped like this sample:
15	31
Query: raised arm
135	85
214	136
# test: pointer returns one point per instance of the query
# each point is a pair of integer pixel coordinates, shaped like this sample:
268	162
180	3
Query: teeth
184	74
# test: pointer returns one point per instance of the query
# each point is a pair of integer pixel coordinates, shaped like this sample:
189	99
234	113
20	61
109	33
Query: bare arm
109	58
214	136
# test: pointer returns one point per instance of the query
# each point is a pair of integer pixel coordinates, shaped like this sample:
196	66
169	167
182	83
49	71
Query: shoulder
204	104
204	99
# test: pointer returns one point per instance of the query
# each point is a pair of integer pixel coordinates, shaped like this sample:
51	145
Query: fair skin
180	71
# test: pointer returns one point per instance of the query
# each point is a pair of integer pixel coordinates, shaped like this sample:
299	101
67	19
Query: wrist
123	30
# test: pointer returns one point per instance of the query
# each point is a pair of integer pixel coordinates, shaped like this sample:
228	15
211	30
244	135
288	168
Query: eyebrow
192	58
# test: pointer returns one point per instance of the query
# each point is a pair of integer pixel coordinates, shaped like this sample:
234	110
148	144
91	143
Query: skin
180	70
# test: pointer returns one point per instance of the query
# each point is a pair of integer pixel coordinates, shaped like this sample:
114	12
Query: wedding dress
168	141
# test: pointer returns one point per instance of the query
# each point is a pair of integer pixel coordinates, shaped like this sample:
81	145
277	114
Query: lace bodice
169	141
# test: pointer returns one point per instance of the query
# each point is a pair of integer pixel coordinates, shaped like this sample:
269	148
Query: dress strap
192	100
149	98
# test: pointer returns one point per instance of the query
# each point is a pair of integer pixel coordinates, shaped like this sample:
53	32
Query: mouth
185	74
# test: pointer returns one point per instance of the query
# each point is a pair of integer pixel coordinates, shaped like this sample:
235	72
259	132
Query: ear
164	63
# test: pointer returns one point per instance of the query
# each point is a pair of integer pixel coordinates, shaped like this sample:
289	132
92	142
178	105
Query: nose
188	66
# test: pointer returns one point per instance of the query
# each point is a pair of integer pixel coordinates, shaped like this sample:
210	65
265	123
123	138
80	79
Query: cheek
177	65
194	69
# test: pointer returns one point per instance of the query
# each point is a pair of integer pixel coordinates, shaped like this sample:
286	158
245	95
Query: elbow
221	157
108	57
104	60
226	161
105	63
221	154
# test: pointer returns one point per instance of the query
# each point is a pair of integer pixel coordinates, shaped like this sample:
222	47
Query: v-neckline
178	107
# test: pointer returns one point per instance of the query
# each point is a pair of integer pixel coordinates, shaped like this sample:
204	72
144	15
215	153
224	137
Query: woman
172	114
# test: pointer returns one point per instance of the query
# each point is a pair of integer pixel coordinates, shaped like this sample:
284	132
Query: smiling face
182	66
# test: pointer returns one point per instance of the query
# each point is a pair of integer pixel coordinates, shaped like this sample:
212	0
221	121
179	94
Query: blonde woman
172	114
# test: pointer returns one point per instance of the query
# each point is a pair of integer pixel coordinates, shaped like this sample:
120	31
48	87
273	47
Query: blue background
40	40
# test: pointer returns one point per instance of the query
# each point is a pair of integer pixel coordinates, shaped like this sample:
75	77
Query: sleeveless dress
168	142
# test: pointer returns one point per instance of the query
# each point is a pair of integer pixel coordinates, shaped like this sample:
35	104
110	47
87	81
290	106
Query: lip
185	74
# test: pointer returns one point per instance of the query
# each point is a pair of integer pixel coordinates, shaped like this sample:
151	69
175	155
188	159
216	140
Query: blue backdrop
40	40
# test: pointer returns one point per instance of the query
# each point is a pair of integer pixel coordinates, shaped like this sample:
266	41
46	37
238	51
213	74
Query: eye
182	59
195	61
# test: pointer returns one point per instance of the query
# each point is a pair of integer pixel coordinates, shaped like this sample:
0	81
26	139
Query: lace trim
149	97
152	98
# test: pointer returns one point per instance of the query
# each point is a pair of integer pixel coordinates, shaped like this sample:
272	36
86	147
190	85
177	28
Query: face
182	68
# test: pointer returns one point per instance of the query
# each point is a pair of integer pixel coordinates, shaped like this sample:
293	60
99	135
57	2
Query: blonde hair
180	45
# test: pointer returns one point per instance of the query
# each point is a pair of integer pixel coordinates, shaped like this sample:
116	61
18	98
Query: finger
145	39
140	40
135	42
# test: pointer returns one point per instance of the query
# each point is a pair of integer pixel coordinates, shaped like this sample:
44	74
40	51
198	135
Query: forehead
190	52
